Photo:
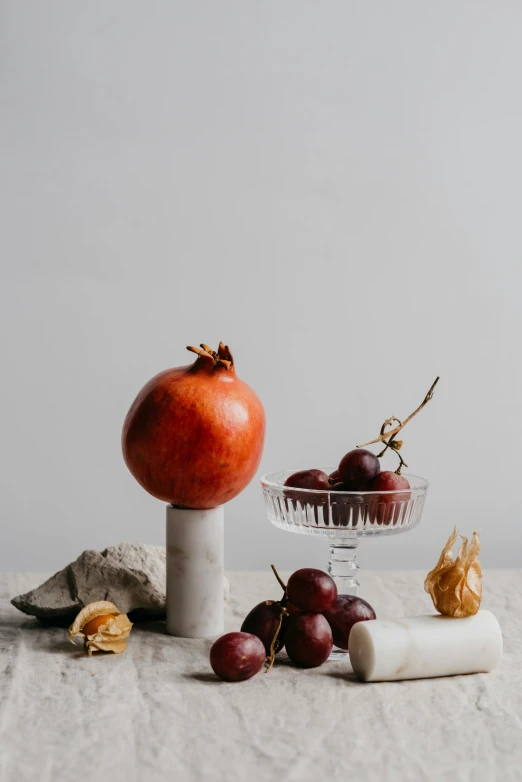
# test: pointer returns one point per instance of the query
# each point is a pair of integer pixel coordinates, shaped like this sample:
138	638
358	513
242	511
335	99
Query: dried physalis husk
101	635
454	584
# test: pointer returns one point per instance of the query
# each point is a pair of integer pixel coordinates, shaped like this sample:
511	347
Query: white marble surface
158	713
421	647
195	572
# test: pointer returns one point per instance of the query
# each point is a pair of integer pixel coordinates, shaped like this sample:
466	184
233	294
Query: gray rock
131	575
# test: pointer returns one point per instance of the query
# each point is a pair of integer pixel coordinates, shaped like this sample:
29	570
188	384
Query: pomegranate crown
222	358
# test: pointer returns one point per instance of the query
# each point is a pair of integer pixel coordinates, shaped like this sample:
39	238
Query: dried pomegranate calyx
455	584
110	636
220	358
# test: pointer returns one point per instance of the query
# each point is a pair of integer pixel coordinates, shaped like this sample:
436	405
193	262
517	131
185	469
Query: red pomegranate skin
194	435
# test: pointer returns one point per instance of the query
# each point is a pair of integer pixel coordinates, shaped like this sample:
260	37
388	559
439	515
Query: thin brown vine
273	650
388	437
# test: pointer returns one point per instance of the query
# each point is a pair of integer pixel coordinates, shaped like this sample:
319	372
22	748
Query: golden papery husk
110	637
454	584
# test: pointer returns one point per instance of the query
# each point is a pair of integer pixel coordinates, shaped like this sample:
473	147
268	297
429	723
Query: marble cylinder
195	572
421	647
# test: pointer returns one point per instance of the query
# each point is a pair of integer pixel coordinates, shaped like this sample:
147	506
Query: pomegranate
194	434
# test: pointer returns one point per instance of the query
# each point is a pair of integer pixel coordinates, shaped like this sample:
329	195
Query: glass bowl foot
339	656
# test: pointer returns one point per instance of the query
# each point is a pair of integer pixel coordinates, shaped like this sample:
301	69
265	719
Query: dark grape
347	509
308	479
237	656
339	486
311	590
358	468
343	614
292	609
308	640
386	508
390	481
334	476
263	621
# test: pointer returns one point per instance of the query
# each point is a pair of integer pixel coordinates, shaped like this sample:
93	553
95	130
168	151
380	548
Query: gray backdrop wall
331	188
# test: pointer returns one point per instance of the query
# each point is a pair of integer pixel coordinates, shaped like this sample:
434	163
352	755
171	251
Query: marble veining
425	646
195	572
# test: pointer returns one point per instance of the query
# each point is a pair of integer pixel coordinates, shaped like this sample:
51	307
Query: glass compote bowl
343	517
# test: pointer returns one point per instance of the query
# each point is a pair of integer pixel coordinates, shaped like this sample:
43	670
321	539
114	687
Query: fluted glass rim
269	481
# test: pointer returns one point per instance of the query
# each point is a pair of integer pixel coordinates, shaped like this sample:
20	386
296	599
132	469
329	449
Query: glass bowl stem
343	565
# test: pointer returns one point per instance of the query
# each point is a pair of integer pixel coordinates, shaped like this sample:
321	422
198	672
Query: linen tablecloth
157	712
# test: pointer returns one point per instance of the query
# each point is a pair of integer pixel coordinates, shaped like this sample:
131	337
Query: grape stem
388	437
281	582
271	657
395	445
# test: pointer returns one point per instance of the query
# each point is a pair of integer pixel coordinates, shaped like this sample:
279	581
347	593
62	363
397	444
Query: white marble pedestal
195	572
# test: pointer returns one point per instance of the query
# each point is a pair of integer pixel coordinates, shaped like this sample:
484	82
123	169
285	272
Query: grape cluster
359	471
309	619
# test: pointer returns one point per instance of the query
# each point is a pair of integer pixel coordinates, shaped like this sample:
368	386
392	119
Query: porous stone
131	575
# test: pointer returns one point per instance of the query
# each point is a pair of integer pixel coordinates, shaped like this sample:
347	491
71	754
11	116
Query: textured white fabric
157	712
